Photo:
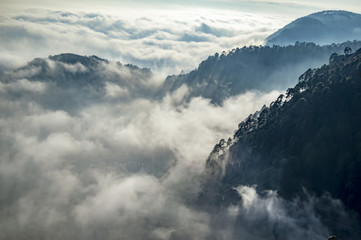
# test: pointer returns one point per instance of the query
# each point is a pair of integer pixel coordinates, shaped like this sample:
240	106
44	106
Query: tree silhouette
348	50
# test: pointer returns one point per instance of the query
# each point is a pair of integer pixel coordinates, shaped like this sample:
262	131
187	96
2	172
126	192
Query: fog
265	215
111	168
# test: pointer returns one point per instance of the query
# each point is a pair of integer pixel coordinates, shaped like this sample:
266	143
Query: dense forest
307	142
261	68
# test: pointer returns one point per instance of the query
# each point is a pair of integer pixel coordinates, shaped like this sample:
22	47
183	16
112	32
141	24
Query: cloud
24	85
280	219
116	164
265	215
166	42
125	165
87	152
114	91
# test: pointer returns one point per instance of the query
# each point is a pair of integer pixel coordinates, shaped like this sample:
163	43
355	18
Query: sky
271	6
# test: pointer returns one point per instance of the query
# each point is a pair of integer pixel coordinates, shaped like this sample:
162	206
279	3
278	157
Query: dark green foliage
71	58
310	141
253	68
348	50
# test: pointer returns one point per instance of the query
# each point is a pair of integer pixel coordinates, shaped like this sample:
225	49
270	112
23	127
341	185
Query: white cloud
166	42
248	194
114	91
24	85
116	165
112	167
121	167
266	211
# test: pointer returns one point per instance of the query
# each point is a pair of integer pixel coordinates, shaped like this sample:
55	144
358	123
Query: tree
333	57
348	50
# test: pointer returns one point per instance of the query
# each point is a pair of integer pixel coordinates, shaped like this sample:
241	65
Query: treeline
260	68
308	141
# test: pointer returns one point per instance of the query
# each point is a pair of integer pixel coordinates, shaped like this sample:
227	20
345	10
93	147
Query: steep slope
252	68
324	27
307	142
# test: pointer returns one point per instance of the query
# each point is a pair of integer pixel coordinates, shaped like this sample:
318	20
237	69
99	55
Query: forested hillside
253	68
307	142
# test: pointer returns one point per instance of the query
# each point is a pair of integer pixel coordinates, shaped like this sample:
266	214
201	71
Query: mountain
217	78
306	143
71	70
73	80
252	69
324	27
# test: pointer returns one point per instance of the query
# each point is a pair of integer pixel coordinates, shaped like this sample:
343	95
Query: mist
111	168
96	156
265	215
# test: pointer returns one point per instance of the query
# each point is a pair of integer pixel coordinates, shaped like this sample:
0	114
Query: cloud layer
166	42
86	152
112	168
102	160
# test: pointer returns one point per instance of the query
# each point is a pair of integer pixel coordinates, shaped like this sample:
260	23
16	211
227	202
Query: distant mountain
325	27
73	80
252	68
217	78
307	142
73	70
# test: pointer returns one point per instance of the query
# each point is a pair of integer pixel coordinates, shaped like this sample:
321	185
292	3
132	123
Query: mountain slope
71	70
252	68
324	27
72	80
305	143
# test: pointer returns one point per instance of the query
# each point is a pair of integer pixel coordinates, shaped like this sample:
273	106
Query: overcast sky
295	8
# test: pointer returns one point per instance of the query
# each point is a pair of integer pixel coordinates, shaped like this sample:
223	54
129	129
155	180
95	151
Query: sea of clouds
165	41
105	160
113	168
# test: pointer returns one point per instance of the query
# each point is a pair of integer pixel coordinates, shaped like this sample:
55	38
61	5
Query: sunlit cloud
165	42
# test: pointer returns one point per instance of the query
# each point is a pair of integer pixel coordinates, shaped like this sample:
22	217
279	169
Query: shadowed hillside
252	68
306	143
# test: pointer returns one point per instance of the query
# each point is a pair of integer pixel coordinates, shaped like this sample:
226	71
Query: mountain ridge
306	142
75	80
326	27
252	68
